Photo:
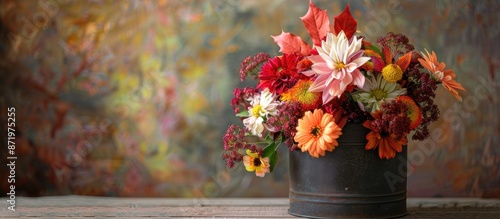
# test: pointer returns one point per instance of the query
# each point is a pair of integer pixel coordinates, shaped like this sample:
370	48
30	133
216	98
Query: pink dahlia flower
336	66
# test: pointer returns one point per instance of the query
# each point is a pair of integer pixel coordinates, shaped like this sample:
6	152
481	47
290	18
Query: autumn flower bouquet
306	95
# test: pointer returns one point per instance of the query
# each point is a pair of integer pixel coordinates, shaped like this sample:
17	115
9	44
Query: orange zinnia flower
300	93
317	132
414	112
386	143
438	71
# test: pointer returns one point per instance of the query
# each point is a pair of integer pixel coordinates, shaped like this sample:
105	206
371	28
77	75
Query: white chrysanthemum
263	106
376	91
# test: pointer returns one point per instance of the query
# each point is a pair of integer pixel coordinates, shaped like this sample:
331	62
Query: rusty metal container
349	182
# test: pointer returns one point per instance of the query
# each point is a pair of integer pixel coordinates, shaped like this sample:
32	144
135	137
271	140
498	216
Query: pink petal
355	55
334	89
318	85
309	73
326	97
338	74
321	68
358	78
316	59
329	79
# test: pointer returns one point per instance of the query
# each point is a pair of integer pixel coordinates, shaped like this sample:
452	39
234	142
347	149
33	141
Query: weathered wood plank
224	212
208	211
452	202
60	201
100	207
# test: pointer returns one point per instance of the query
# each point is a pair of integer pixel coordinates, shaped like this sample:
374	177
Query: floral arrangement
306	95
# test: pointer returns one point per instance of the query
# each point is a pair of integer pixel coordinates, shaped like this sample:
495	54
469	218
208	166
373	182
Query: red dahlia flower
280	73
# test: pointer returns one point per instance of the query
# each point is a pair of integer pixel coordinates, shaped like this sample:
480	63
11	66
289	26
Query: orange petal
387	55
368	124
404	61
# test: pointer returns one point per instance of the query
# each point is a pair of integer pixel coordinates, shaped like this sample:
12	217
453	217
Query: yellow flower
317	132
263	106
300	93
392	73
253	162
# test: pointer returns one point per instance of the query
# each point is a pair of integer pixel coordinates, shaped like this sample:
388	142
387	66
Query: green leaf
273	160
270	152
243	114
269	139
373	48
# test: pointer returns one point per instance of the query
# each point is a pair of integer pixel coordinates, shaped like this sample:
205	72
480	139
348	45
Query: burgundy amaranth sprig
398	43
234	143
251	64
286	121
422	88
240	98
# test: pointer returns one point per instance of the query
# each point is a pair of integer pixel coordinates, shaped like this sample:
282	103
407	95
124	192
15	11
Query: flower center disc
379	94
256	110
438	75
316	131
257	162
340	65
279	71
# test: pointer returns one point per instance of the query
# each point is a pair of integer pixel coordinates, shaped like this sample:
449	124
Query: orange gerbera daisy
317	132
386	143
438	71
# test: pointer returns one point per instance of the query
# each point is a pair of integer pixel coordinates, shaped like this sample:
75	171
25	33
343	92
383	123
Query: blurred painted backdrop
131	98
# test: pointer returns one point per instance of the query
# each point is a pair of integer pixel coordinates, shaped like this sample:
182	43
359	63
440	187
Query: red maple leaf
291	44
346	22
316	22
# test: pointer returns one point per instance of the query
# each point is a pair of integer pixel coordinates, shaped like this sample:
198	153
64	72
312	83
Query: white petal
361	60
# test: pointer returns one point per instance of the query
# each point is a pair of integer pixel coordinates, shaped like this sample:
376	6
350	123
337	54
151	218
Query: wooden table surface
104	207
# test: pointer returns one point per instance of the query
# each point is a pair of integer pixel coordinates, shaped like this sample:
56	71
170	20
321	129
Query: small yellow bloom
253	162
257	110
392	73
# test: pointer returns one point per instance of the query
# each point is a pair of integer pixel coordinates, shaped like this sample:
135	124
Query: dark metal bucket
349	182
